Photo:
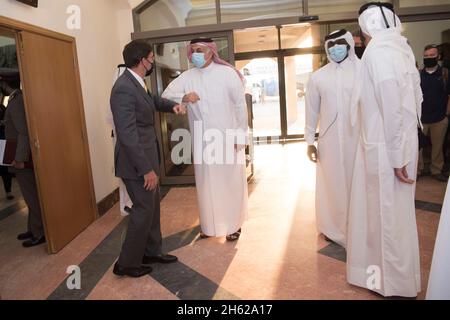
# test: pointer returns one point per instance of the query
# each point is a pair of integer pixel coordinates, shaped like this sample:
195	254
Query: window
422	3
335	6
239	10
166	14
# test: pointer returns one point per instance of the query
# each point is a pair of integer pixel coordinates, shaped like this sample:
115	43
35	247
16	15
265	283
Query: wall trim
108	202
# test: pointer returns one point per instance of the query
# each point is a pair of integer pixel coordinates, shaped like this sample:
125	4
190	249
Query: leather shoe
162	258
440	177
25	236
33	242
131	272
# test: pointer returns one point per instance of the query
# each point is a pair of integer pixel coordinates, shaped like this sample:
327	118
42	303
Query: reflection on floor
279	256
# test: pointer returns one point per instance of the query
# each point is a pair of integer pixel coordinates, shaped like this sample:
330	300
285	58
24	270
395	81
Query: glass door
261	83
277	72
297	71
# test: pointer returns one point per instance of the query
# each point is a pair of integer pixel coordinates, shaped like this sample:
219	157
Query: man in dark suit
16	130
137	160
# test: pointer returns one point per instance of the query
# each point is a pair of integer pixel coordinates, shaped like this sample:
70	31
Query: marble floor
280	255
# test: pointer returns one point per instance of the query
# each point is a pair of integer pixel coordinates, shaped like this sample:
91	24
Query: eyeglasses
388	6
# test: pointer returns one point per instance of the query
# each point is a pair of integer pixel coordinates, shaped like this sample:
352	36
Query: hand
180	109
239	147
150	181
18	164
402	175
312	153
191	97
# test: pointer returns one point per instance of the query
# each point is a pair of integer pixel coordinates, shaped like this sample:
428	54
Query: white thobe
328	101
439	281
221	185
382	245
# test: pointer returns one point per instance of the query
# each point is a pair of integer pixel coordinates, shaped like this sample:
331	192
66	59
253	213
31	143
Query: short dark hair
431	46
13	83
135	51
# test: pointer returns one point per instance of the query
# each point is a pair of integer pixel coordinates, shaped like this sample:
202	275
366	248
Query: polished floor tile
280	254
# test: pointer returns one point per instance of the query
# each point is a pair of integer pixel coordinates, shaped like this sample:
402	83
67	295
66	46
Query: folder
8	153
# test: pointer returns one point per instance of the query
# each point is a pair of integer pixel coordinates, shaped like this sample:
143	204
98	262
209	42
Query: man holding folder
17	140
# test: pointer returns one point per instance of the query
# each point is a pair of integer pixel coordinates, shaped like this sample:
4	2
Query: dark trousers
144	227
7	178
27	184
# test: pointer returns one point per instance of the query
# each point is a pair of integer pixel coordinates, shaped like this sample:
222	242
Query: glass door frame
161	126
280	54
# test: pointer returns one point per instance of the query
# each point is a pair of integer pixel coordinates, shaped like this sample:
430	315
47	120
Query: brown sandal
234	236
203	236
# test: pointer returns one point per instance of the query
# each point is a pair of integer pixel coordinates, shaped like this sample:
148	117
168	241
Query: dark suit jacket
133	109
16	127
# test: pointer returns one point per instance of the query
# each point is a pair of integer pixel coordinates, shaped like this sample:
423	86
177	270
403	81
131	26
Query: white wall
106	26
420	34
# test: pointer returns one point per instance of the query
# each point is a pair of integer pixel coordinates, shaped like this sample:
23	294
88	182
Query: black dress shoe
131	272
25	236
33	242
162	258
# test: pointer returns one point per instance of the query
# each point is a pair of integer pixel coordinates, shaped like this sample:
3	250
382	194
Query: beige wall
106	26
420	34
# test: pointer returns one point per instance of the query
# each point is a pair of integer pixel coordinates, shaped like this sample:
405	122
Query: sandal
203	236
234	236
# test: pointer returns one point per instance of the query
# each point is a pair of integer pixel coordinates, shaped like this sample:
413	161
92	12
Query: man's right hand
402	175
191	97
150	181
312	153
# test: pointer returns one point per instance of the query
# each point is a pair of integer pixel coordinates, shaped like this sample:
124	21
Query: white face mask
198	59
338	52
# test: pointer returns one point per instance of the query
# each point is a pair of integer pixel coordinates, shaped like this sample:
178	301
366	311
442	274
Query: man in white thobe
328	98
214	91
439	281
382	245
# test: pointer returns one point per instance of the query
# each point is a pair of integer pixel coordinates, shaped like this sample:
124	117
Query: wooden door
58	138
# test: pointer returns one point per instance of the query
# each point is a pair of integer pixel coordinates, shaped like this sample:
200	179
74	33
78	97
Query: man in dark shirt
435	108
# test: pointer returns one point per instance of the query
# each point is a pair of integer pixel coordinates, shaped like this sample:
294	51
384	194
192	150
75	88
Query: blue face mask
338	52
198	59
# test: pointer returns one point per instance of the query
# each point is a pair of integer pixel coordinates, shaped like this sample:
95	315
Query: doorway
54	112
278	74
11	199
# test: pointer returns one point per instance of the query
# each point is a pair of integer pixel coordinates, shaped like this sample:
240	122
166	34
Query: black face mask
430	62
3	91
359	51
149	71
